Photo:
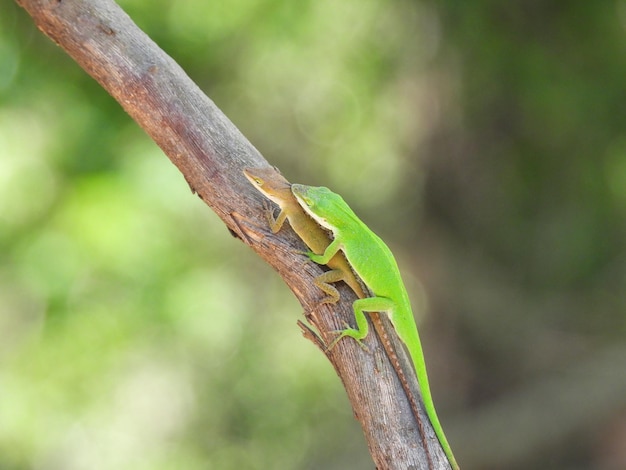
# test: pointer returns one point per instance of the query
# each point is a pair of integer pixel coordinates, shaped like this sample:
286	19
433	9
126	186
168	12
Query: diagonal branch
210	152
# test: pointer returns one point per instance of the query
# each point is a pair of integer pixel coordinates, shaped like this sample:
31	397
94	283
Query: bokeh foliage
486	141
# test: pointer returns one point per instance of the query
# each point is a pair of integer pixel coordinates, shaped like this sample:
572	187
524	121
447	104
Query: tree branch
210	152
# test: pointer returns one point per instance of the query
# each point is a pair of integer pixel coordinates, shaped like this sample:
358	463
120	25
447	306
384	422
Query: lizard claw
303	253
346	333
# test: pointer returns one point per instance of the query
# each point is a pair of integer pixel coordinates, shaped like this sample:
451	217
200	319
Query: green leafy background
485	141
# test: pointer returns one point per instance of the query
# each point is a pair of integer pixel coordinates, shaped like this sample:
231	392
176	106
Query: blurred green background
485	141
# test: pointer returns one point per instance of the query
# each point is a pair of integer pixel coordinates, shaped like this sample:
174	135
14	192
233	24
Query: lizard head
268	181
327	208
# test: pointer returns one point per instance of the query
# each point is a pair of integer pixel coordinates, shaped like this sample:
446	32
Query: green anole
374	263
276	188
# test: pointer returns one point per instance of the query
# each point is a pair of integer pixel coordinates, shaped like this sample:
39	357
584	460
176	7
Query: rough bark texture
210	152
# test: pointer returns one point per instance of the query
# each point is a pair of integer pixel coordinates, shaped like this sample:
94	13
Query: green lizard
374	263
274	186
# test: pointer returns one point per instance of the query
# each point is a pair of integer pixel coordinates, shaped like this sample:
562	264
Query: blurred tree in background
485	141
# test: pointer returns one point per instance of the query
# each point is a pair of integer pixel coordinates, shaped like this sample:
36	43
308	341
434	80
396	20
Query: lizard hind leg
324	282
360	306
